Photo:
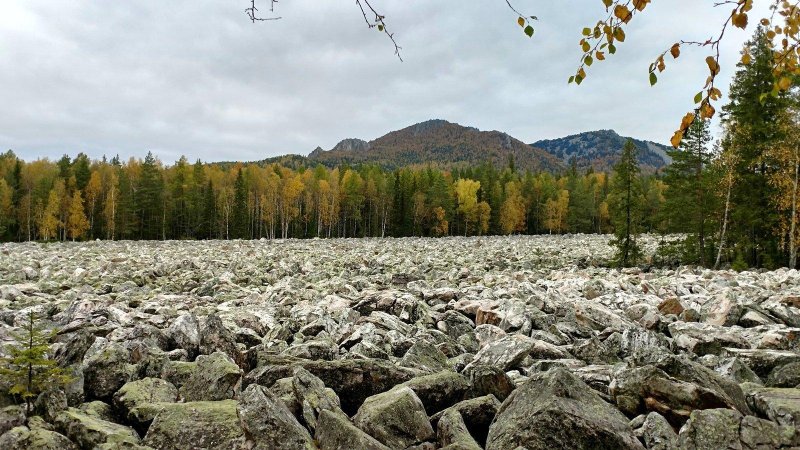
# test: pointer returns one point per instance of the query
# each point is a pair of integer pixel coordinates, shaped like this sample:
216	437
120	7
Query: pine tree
239	228
688	203
751	119
149	199
28	371
625	206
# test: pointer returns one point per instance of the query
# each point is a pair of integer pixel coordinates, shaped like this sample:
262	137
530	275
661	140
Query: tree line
736	199
79	198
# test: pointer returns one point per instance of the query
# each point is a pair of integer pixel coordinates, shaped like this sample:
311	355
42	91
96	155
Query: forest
736	198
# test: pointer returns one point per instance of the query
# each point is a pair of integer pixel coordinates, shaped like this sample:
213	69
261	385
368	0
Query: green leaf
699	97
529	31
588	60
587	31
612	49
380	27
578	79
571	79
653	78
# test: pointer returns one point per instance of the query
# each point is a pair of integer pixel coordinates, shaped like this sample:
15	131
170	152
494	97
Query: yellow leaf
600	56
521	21
687	120
622	13
676	138
785	83
746	59
713	66
739	20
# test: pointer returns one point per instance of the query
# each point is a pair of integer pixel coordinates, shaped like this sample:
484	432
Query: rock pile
457	343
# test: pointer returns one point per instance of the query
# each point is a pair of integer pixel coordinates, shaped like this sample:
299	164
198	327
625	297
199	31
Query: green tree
149	199
625	207
28	370
688	204
752	123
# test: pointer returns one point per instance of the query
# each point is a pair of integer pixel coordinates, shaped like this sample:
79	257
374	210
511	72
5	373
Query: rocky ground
457	343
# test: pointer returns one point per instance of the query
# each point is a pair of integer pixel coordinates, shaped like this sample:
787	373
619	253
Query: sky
197	78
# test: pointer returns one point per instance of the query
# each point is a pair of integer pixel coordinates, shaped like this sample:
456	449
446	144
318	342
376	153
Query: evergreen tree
149	199
625	206
751	119
239	228
28	371
688	202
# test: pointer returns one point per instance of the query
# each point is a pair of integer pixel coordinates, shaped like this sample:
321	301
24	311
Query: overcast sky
195	77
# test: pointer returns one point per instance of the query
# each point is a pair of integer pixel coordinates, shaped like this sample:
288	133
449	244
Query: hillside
440	143
601	150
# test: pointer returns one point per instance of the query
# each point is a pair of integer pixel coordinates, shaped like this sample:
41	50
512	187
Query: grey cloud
196	78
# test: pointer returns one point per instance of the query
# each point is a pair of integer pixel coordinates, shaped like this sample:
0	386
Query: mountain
601	150
441	143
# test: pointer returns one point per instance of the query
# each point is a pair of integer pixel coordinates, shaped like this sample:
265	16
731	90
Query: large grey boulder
426	357
313	397
268	424
555	409
396	418
674	387
90	431
439	390
135	400
505	353
353	380
728	429
184	332
196	425
106	370
781	405
657	433
215	377
335	432
24	438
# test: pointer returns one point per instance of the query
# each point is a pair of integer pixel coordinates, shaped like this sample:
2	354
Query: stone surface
395	418
268	424
457	321
556	409
193	425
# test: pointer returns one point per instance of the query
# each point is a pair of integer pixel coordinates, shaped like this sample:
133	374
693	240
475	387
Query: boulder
106	370
785	376
23	438
657	433
488	380
134	400
89	431
353	380
555	409
728	429
268	424
49	403
215	377
674	388
506	353
439	390
781	405
396	418
426	357
313	397
194	425
11	417
184	332
215	337
335	432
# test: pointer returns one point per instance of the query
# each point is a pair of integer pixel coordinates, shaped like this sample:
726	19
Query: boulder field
522	342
